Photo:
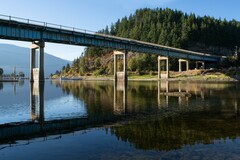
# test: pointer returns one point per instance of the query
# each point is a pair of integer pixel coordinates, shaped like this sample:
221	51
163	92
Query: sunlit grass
174	75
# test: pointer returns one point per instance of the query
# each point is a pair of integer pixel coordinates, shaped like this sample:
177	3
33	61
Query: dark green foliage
57	73
82	65
97	62
132	64
100	71
67	69
21	74
63	68
1	71
174	28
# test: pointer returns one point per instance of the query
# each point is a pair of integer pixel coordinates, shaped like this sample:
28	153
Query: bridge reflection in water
179	90
37	101
118	99
39	127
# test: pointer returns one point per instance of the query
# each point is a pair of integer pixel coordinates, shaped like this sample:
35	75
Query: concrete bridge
38	33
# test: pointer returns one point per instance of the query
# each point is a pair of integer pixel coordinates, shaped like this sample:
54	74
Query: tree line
14	74
166	27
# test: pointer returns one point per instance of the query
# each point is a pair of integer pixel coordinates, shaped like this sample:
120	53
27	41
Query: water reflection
175	132
177	89
1	85
108	99
120	98
37	101
169	114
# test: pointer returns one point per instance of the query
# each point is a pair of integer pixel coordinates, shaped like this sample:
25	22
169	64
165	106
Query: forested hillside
162	26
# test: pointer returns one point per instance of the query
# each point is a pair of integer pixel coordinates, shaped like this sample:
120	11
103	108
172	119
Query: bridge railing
57	26
44	24
23	20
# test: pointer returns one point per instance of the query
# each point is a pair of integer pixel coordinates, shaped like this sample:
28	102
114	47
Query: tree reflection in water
159	121
1	85
157	133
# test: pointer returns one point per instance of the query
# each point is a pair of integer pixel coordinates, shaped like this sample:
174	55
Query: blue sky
96	14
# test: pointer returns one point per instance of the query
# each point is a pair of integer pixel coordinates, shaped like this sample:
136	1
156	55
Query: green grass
142	76
175	75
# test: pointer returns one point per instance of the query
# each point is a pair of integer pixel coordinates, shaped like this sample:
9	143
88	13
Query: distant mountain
11	55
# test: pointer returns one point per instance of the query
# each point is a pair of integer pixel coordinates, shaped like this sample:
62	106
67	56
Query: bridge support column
180	61
32	63
160	75
202	65
37	73
120	76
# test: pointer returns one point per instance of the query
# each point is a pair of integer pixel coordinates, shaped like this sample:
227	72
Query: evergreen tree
1	71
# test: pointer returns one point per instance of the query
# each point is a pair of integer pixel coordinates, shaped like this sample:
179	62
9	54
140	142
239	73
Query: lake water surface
104	120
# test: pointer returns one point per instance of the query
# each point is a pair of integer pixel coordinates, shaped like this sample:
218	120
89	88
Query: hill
19	57
166	27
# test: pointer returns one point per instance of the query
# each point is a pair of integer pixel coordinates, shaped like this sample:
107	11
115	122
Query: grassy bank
231	74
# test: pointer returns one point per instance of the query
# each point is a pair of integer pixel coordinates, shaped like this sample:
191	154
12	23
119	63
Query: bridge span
36	32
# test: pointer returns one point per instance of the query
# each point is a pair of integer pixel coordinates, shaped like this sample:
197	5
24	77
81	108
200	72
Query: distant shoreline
9	80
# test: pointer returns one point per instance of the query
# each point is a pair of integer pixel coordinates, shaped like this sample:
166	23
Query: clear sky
96	14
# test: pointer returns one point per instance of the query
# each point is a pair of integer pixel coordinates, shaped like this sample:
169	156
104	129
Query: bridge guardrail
44	24
57	26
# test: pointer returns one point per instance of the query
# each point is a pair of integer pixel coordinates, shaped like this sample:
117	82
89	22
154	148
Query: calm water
103	120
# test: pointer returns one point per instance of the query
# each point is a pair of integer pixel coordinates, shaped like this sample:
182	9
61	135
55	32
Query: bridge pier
160	75
37	73
202	64
120	76
180	61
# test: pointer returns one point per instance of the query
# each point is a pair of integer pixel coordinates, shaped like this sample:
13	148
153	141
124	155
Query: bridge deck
14	28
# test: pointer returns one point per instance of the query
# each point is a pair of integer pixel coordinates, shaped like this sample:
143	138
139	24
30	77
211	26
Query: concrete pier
166	74
37	73
181	61
120	75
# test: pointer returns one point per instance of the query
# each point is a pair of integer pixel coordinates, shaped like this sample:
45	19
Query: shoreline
141	79
203	75
189	79
9	80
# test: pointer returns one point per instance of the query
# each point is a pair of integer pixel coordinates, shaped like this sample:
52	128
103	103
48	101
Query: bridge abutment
166	66
37	73
122	75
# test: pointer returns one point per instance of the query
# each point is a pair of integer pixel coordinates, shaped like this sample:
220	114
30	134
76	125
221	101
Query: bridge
38	33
